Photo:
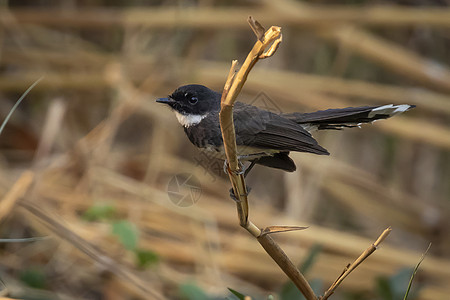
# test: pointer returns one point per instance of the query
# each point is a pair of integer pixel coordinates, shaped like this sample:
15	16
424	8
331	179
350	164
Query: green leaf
33	277
127	234
145	258
290	292
191	291
99	212
384	289
316	285
356	295
415	271
237	294
311	258
399	282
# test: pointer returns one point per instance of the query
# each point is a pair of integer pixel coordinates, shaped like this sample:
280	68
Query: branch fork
266	46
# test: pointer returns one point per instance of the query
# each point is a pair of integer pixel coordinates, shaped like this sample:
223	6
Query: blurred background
103	196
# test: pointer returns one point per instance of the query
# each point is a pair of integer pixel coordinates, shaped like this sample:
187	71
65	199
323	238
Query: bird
264	137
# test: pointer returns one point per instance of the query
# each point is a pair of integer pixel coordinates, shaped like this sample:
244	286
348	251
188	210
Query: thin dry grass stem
392	56
52	126
198	17
64	232
17	191
102	135
356	263
233	86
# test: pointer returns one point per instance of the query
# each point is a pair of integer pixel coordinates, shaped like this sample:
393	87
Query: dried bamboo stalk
356	263
264	47
313	16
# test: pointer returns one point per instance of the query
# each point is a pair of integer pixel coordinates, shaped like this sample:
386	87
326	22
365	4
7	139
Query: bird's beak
167	101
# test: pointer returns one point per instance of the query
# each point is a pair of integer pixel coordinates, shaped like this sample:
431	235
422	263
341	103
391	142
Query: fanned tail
346	117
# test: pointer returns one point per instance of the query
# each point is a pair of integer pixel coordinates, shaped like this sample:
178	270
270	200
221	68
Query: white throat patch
189	120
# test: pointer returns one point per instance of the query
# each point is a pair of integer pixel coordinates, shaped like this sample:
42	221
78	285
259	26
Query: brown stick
356	263
233	86
286	265
265	46
270	40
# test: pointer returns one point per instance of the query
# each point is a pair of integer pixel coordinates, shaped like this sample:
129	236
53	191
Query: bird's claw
232	196
240	171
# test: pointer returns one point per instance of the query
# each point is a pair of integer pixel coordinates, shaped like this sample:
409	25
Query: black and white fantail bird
264	137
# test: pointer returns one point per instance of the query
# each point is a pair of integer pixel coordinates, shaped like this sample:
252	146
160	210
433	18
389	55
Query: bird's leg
250	167
226	168
246	171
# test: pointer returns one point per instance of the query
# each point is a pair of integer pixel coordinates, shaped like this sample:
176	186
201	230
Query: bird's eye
193	100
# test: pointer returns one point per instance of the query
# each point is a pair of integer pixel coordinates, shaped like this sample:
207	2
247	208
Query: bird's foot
226	168
233	197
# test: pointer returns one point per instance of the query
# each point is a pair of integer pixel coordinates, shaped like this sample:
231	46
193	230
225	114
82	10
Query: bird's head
193	99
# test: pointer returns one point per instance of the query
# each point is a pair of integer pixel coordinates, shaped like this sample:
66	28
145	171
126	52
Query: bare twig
229	137
233	86
283	261
17	191
356	263
277	229
235	81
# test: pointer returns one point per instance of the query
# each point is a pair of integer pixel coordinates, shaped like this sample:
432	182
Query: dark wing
263	129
